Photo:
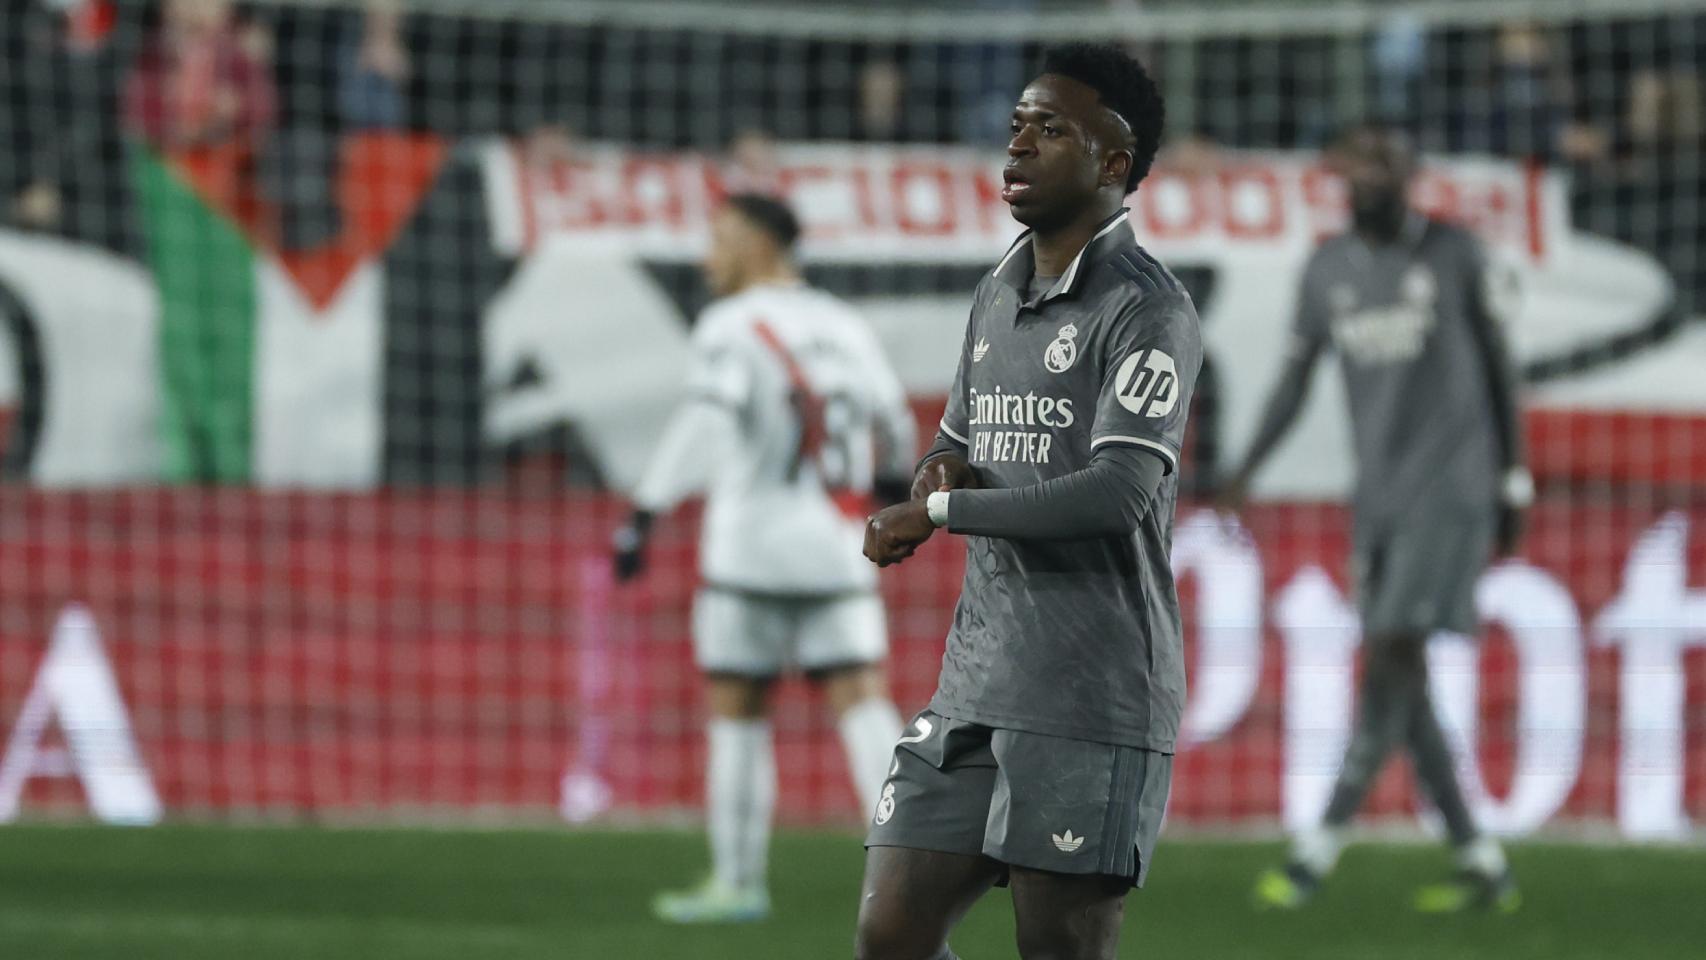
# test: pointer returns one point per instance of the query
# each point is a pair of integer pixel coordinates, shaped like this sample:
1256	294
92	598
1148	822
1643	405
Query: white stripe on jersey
815	391
1172	458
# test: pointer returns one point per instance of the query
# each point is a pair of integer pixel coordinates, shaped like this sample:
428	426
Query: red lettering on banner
1533	182
651	192
863	197
992	211
1272	198
1164	186
790	181
925	195
907	177
1438	196
568	195
709	178
1323	201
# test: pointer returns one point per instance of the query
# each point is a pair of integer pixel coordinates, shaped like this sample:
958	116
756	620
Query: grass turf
69	893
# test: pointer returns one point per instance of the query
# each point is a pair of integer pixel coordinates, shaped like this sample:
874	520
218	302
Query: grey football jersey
1402	319
1073	638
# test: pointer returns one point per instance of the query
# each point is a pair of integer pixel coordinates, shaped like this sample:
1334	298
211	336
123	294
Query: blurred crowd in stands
1618	102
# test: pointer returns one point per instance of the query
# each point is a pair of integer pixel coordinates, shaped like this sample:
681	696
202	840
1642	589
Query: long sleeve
896	433
1285	399
1503	382
687	455
1108	498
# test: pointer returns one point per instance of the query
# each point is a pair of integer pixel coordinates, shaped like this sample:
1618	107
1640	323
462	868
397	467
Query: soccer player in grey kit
1410	305
1044	758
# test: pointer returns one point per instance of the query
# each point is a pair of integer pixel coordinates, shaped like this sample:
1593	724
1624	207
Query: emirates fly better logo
1148	384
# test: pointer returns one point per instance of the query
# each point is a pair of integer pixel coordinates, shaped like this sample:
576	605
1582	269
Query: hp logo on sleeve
1148	384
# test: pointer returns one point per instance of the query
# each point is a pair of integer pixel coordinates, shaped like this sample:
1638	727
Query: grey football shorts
1023	799
1417	573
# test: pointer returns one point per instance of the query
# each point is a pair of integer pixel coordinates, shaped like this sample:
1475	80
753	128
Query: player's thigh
841	632
736	634
911	900
924	865
847	687
738	697
1064	916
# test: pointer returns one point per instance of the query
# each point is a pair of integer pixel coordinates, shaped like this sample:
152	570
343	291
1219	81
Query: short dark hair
1125	88
770	215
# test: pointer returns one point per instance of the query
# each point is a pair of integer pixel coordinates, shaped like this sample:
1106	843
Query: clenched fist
893	534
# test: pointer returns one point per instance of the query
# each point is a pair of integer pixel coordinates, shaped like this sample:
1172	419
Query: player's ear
1116	167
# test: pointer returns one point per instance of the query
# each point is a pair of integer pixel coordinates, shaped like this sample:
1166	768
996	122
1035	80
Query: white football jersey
816	404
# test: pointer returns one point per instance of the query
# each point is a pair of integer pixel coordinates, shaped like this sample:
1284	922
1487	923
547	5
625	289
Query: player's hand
890	489
949	471
1232	494
894	533
628	546
1513	521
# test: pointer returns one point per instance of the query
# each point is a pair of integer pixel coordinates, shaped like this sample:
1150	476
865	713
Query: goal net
335	335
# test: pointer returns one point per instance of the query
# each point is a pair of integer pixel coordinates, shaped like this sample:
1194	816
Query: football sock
1484	856
740	798
1317	849
869	730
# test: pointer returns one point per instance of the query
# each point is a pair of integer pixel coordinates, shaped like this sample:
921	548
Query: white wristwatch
1518	488
936	505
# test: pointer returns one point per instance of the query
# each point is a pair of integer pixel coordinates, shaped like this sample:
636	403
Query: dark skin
1067	165
1378	167
1066	173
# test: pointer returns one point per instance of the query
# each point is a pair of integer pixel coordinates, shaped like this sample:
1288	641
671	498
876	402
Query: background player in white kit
792	416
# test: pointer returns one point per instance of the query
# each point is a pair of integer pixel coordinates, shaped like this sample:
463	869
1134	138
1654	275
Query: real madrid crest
1062	351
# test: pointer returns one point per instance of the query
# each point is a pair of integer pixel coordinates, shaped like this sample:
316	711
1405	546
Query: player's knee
1061	941
883	933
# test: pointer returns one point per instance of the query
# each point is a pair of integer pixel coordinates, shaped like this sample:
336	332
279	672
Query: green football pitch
259	893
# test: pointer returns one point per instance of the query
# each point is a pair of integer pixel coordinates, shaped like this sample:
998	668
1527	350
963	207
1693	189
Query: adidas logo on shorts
1066	842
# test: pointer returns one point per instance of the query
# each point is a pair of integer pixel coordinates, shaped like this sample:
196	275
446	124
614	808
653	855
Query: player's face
734	244
1065	150
1377	167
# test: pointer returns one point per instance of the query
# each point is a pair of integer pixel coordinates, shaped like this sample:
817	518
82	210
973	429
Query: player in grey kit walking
1045	756
1410	304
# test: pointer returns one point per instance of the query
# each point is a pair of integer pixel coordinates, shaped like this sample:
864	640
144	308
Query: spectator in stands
202	80
752	165
61	157
1398	50
882	87
983	75
1527	114
373	70
1663	184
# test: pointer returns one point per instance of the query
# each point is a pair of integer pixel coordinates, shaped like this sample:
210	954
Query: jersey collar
1016	267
